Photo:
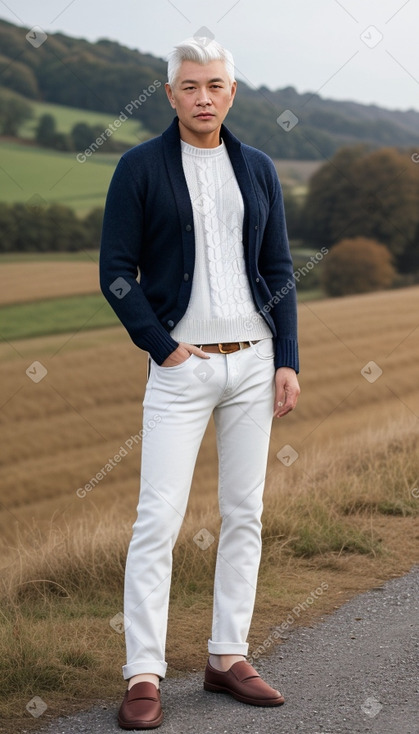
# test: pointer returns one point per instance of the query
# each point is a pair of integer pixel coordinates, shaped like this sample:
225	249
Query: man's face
202	95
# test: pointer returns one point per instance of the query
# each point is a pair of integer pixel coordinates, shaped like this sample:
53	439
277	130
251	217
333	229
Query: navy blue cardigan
148	227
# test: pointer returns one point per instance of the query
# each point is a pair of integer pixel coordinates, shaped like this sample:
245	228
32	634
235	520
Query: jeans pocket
264	349
174	367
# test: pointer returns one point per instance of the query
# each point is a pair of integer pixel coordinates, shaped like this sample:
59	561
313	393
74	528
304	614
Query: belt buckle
232	345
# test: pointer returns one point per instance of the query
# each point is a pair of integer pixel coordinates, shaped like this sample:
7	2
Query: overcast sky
363	50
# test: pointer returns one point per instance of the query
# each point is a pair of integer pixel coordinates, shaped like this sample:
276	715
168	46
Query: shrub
357	265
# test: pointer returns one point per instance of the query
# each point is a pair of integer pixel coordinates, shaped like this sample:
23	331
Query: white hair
202	51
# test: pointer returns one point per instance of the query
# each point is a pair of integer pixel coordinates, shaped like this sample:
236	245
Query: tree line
38	227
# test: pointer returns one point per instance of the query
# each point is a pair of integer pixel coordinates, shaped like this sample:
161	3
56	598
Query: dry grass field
35	281
343	514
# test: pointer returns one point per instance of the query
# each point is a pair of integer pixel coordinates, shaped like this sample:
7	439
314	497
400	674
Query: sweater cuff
158	343
286	354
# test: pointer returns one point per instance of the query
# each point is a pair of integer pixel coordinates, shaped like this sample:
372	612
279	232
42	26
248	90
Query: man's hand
287	391
182	353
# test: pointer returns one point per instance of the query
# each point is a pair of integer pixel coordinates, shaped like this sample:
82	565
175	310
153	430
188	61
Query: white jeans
239	389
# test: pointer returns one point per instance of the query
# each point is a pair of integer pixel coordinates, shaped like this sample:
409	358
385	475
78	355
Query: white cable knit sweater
221	307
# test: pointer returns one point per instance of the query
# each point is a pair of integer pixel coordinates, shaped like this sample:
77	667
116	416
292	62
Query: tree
8	228
13	113
293	213
330	189
46	130
82	136
33	234
18	77
47	135
408	262
363	193
357	265
43	228
67	231
92	224
385	205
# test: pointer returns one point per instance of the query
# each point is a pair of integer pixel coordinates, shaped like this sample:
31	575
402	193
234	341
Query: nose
203	98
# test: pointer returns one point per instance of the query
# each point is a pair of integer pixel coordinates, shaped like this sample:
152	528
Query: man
200	216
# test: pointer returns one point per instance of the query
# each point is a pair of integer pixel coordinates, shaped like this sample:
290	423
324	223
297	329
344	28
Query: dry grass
318	530
325	507
344	513
60	432
35	281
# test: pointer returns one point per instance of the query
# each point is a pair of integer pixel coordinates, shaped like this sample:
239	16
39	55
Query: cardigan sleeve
118	266
276	267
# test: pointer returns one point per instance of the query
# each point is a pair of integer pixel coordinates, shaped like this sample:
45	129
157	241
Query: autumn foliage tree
357	265
361	193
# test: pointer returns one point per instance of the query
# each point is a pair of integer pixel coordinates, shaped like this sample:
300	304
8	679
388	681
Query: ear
170	97
233	92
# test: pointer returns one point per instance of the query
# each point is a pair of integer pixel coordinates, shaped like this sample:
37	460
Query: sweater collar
173	157
171	137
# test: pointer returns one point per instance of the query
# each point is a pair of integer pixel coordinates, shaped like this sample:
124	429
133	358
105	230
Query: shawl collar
173	158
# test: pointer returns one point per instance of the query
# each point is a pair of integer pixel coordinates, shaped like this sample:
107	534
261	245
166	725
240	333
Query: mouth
204	116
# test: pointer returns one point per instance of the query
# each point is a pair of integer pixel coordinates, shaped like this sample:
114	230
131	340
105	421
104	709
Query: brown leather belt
226	347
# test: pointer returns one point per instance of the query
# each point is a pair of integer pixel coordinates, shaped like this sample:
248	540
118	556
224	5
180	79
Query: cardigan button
256	226
257	280
170	323
186	277
188	227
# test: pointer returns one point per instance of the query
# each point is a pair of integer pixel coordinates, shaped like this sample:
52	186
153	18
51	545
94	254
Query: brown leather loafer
242	682
141	707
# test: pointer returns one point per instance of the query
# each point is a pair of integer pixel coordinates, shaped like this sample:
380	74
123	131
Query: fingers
280	400
282	407
192	349
182	353
287	391
285	400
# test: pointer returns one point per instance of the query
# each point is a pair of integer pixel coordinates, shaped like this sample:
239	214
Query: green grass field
30	257
61	315
27	171
58	177
53	315
130	131
56	316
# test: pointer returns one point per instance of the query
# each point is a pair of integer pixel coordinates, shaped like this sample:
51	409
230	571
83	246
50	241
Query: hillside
130	133
106	77
54	176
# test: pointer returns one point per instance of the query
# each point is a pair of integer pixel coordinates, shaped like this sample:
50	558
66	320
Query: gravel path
357	671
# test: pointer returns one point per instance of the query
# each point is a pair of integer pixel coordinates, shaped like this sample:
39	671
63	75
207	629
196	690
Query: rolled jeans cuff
227	648
146	666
